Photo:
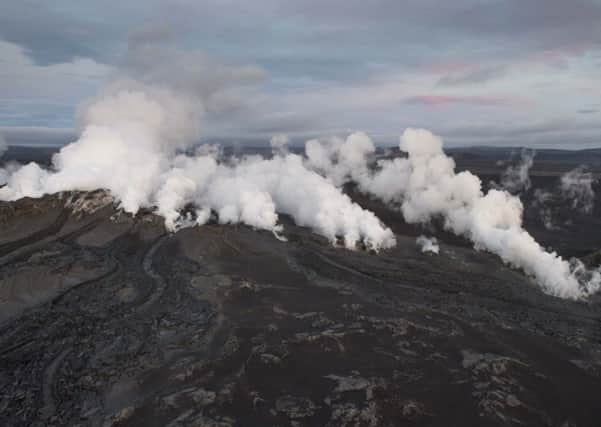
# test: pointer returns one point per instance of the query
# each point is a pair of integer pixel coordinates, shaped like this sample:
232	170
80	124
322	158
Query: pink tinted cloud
434	100
558	55
553	56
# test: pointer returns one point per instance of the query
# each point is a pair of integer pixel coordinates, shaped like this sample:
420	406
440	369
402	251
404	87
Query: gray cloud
435	100
556	24
331	65
49	35
499	27
383	30
29	135
148	34
473	76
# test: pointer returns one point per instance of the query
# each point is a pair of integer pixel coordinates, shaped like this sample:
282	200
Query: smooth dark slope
108	320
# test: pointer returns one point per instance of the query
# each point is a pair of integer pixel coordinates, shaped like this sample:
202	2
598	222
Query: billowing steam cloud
516	177
134	131
129	144
253	189
424	186
428	244
250	191
340	160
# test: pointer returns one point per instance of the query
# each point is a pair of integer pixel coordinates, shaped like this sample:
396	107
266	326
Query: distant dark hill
588	156
24	154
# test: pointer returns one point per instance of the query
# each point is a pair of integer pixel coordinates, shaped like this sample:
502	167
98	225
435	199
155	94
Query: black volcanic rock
108	320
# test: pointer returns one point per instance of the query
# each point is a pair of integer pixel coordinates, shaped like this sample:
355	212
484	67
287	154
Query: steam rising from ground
424	186
516	177
541	202
253	190
123	149
134	131
129	144
428	244
577	187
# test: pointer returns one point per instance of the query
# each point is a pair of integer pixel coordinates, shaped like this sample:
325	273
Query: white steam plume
132	131
279	143
577	187
516	177
541	199
129	133
428	244
339	159
425	186
129	144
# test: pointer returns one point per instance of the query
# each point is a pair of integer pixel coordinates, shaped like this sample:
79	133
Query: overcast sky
514	72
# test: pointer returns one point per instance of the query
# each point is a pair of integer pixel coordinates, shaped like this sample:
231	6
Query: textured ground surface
107	320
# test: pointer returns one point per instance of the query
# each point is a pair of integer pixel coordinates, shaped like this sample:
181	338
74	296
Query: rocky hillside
108	320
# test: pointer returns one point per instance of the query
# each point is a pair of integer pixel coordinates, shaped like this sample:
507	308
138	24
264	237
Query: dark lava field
108	320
